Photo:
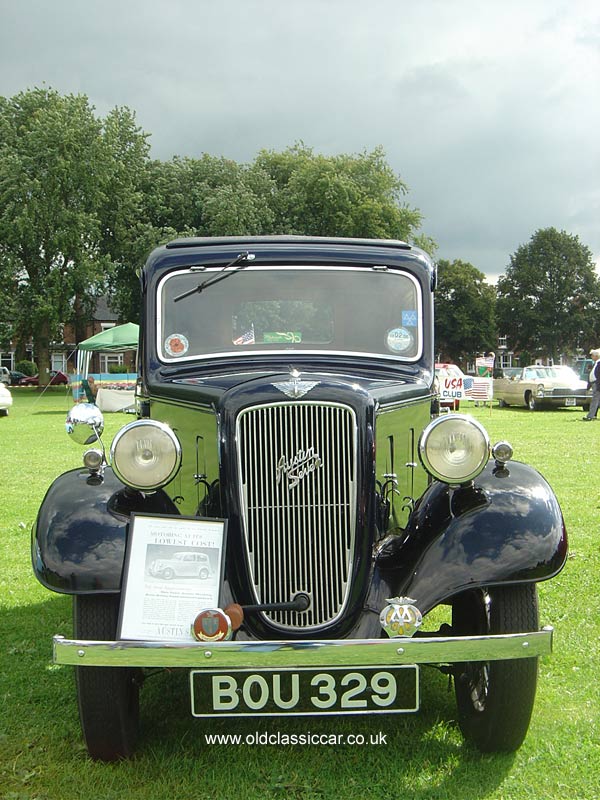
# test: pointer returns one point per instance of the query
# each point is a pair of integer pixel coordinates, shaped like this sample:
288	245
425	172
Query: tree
61	171
8	291
123	221
465	311
550	295
342	195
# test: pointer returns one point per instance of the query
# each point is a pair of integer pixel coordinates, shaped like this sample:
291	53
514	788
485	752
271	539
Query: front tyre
495	699
531	402
108	697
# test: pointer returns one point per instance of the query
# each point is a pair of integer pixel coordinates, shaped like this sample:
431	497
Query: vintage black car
284	411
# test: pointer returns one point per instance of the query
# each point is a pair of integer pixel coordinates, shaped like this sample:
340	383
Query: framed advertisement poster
173	570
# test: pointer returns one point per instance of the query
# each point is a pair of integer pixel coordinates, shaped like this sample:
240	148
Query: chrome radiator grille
297	469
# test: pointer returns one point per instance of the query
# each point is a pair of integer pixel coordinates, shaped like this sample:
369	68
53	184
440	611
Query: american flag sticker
246	338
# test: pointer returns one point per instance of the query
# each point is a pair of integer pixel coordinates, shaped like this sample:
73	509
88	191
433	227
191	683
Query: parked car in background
57	378
506	372
4	375
16	377
285	390
449	385
537	387
5	400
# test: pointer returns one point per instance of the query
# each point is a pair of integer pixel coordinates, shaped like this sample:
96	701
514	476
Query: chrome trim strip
279	654
413	401
203	408
396	271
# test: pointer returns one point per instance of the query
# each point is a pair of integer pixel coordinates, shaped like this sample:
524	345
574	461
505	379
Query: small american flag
246	338
478	388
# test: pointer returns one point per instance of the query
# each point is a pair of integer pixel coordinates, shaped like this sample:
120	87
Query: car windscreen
538	373
289	309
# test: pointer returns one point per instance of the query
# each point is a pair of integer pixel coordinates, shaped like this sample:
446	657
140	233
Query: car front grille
297	470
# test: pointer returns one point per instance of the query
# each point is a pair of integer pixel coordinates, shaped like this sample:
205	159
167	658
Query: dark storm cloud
489	111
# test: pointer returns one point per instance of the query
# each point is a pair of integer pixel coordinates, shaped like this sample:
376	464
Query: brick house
63	352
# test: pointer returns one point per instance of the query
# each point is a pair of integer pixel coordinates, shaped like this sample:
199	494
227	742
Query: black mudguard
507	528
79	536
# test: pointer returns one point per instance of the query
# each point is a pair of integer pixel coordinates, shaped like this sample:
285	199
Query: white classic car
5	400
537	387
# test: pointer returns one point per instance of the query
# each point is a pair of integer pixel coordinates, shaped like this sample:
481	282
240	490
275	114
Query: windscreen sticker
176	345
274	337
410	319
399	340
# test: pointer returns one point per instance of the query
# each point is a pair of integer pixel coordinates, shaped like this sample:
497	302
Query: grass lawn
424	757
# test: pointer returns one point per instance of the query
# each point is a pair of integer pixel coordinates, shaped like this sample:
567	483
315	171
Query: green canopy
121	337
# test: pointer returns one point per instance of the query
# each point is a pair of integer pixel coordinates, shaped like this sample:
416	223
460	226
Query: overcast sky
489	110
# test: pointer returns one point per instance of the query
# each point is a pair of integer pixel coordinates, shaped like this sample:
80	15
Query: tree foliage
549	298
465	312
64	192
342	195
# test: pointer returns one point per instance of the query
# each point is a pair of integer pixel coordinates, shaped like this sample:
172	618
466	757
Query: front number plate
570	401
299	691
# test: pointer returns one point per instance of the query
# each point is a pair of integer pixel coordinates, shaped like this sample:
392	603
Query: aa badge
401	617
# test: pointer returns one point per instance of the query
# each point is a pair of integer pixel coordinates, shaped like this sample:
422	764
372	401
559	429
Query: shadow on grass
58	413
420	756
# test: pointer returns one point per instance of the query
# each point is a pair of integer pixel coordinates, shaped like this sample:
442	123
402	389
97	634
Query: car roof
211	241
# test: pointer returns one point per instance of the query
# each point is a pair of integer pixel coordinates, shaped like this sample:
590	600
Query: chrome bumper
273	655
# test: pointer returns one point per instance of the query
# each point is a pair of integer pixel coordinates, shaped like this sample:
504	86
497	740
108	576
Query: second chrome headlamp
454	449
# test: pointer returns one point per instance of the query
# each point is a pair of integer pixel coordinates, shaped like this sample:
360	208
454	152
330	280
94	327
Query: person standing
594	385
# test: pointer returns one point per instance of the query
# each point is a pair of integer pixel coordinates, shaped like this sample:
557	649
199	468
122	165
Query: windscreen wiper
239	262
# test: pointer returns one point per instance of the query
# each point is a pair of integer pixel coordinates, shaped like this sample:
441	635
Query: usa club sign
451	388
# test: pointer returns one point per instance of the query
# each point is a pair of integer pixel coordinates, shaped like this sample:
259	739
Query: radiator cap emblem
295	387
401	617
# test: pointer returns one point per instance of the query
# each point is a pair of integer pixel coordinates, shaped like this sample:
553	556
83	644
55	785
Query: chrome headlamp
85	423
145	454
454	449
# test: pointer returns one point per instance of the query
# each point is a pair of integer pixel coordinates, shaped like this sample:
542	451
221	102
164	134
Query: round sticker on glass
176	345
399	340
